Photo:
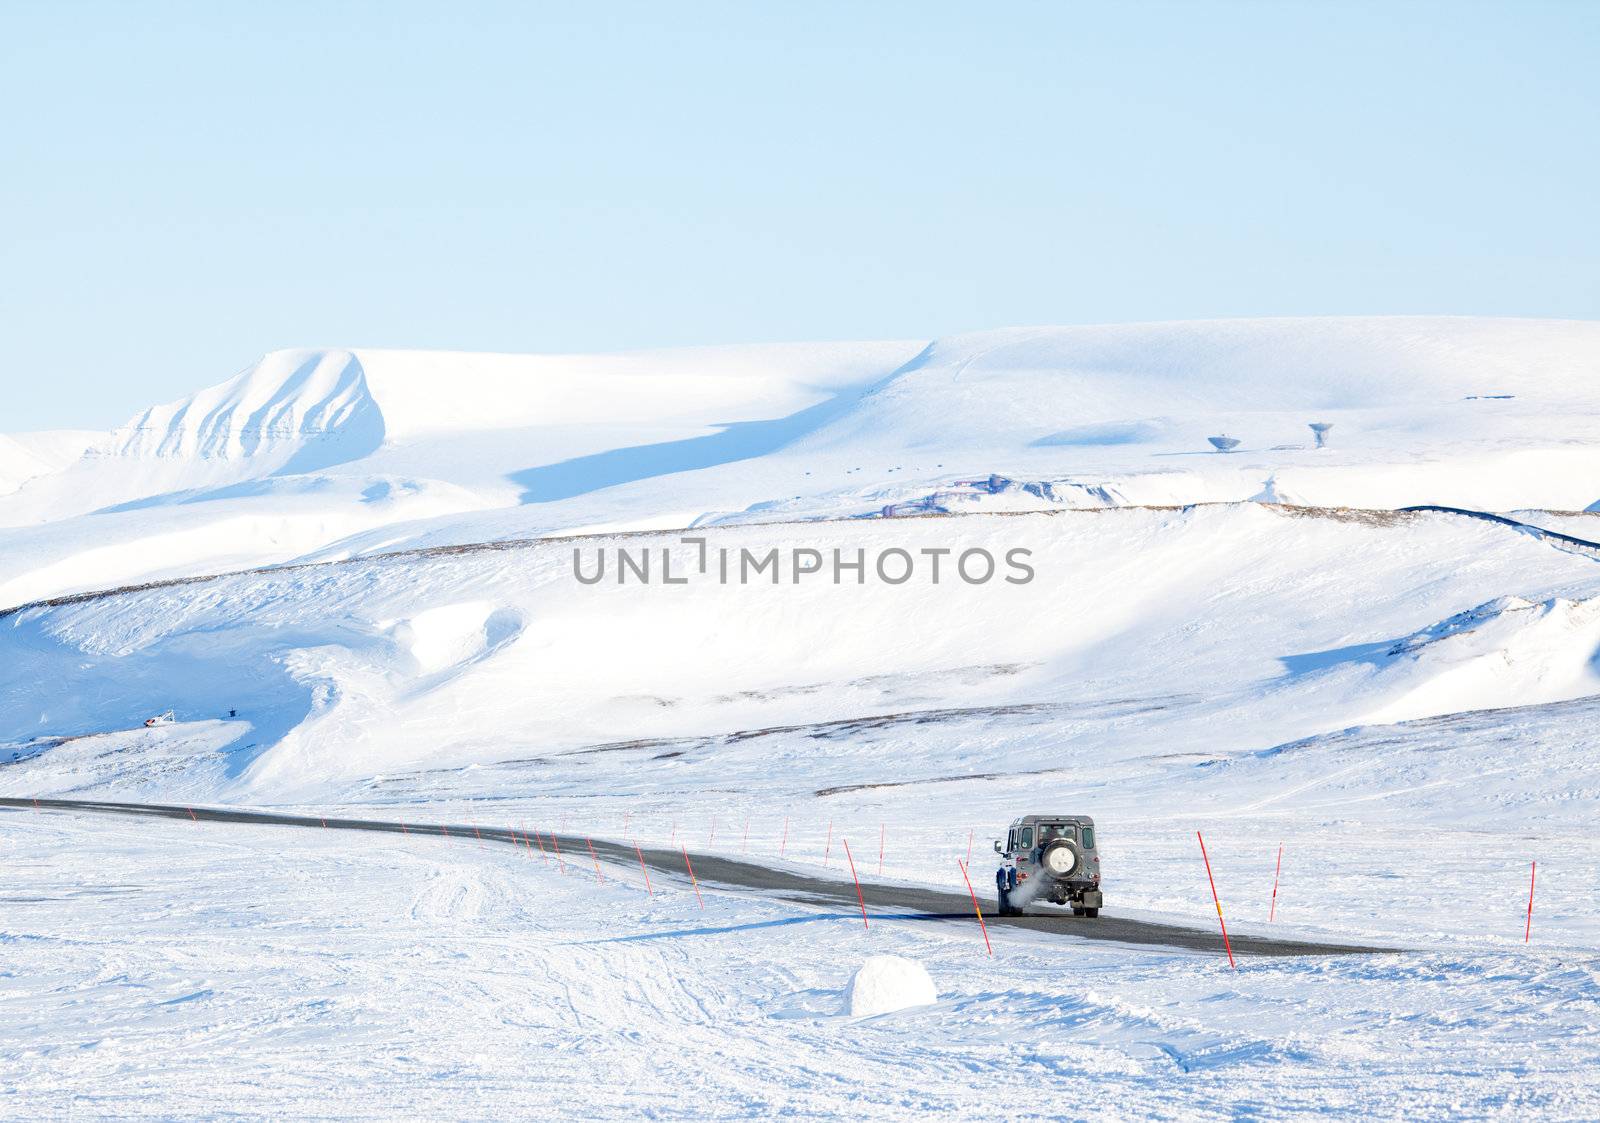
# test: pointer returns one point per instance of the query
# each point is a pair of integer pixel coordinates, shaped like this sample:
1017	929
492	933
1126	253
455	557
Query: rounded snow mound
885	983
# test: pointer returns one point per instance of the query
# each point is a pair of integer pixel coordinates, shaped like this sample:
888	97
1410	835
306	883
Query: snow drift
886	983
1291	615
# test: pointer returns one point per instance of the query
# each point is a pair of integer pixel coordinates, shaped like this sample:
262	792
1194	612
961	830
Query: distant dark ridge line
1516	524
1371	516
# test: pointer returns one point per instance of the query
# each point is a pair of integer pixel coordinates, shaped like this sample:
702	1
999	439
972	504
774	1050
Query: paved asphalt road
901	902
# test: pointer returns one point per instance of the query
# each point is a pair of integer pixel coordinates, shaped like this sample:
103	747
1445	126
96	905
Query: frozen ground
209	970
1270	653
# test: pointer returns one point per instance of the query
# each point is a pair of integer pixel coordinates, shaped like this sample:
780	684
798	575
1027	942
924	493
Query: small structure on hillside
1320	428
1223	443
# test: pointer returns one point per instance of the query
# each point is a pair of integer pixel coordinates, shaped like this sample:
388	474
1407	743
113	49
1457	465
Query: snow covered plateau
829	610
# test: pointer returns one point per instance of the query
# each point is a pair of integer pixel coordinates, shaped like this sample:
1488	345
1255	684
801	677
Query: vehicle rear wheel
1005	904
1091	913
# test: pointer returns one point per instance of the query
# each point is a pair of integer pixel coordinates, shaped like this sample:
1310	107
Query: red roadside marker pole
692	879
880	849
645	869
1272	915
540	841
556	842
784	846
191	814
981	925
969	848
446	831
1527	932
713	839
828	853
857	880
597	876
1217	900
744	847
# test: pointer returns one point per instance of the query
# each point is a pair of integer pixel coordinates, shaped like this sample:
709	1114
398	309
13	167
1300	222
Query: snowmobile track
902	902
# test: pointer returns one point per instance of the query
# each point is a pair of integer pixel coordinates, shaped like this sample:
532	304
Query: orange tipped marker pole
781	848
597	876
1273	912
1527	932
1217	900
981	925
828	853
692	879
857	880
645	869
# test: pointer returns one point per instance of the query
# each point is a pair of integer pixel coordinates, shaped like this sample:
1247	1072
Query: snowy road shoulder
440	978
785	882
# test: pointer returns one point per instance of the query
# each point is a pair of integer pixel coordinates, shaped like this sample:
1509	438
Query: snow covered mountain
316	460
648	596
330	456
326	454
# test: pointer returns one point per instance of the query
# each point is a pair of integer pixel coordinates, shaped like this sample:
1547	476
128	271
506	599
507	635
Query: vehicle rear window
1088	838
1027	838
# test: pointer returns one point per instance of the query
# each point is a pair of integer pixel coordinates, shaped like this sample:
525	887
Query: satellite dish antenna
1320	428
1223	443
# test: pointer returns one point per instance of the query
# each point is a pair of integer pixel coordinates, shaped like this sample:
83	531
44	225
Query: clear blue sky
188	186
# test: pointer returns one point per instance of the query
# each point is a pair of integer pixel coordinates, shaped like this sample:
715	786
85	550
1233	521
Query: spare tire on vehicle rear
1061	858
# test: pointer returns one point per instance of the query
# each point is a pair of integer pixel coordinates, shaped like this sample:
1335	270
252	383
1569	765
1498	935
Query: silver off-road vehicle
1049	858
